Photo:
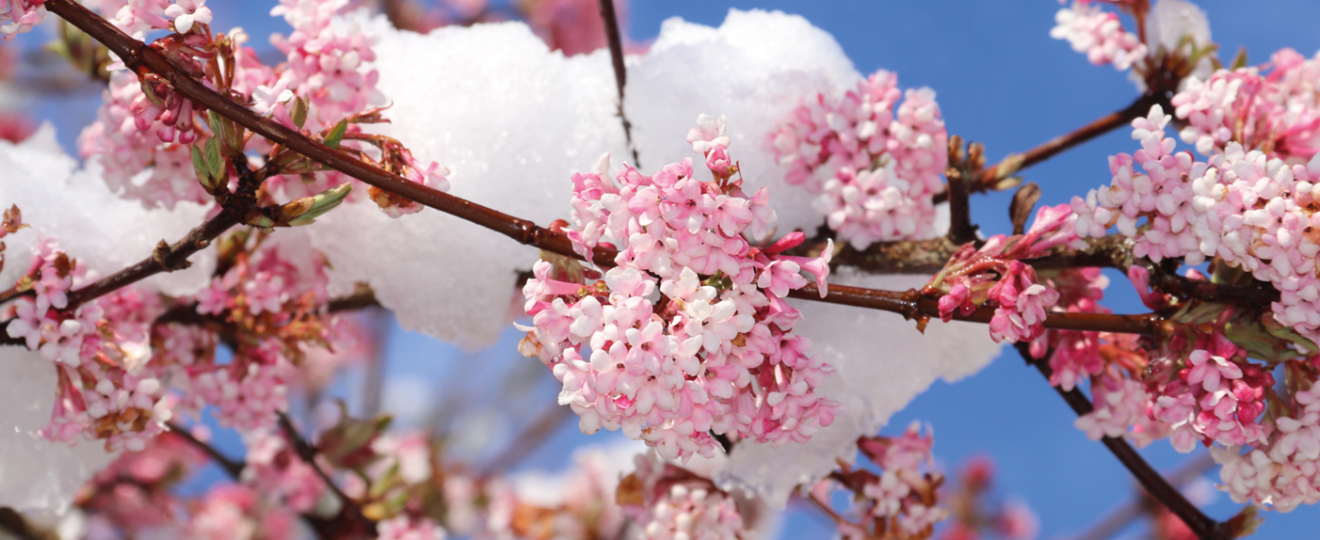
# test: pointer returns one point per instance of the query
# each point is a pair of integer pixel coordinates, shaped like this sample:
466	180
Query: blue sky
1000	80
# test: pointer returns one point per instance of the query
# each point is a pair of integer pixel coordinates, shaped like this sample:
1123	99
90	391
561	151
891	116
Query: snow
100	229
754	69
883	363
37	475
514	121
107	234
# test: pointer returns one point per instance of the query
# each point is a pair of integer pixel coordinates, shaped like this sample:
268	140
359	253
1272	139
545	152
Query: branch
165	258
914	305
611	20
929	257
1119	518
14	525
142	58
231	467
307	453
536	432
992	175
1156	486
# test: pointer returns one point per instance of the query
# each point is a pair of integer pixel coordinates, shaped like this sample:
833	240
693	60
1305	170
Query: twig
141	58
1120	517
1159	489
611	20
14	524
992	175
233	468
166	258
537	430
914	305
307	453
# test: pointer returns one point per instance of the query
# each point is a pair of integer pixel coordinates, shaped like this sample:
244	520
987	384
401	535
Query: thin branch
307	453
914	305
141	58
612	35
536	432
1159	489
233	468
1122	516
165	258
14	525
992	175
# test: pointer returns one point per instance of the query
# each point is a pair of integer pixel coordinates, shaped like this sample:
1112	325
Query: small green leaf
217	124
336	134
200	169
215	162
299	111
1240	61
322	202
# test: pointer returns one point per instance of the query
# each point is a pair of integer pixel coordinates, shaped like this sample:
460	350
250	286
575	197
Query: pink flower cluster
672	508
127	147
146	125
237	511
994	273
1275	112
1076	354
19	16
1245	208
1099	34
903	492
1123	408
273	469
876	170
1215	399
690	334
402	527
267	292
1284	472
103	392
137	17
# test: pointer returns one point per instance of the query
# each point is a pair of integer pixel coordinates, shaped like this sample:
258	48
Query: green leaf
200	169
299	111
336	134
1239	61
322	202
1288	334
215	162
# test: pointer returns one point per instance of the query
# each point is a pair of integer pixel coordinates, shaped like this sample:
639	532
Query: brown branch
929	257
913	305
14	525
141	58
360	299
165	258
613	37
1122	516
536	432
994	173
231	467
1156	486
351	510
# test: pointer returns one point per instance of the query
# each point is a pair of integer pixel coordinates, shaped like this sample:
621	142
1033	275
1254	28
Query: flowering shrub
667	306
